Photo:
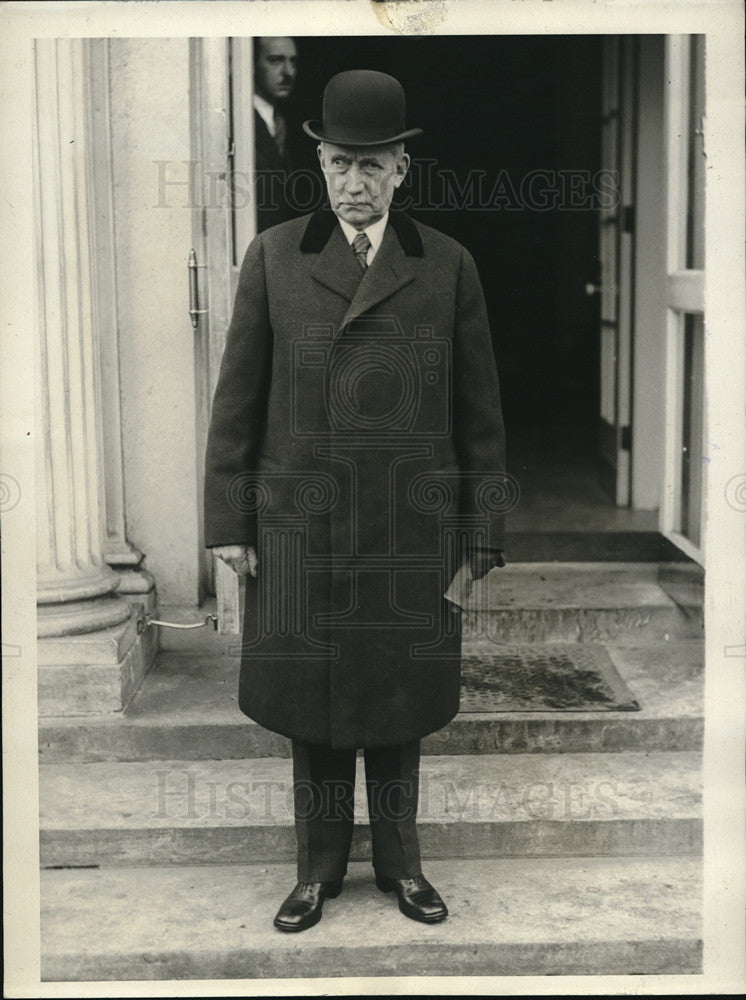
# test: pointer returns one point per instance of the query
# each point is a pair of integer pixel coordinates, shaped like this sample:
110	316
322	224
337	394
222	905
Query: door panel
608	240
616	240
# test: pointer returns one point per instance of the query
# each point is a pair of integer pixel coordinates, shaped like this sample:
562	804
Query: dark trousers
324	797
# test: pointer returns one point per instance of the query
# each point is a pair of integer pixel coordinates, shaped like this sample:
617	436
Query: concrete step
578	602
576	916
235	811
532	602
588	543
95	672
187	710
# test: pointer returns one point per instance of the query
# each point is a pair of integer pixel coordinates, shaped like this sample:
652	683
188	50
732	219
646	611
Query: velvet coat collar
337	269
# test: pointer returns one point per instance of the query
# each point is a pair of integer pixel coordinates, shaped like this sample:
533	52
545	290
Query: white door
616	252
684	466
224	223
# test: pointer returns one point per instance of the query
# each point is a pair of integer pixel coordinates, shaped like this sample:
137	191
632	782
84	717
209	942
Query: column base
94	673
73	617
120	553
137	588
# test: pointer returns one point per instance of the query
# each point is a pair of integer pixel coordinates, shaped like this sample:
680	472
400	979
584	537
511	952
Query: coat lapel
389	272
336	266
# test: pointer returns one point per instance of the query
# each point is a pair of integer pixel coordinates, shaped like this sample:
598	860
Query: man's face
276	66
361	181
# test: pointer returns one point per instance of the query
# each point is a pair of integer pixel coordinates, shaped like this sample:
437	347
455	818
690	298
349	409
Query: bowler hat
362	108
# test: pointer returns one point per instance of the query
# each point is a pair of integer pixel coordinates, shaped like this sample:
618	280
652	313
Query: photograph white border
725	393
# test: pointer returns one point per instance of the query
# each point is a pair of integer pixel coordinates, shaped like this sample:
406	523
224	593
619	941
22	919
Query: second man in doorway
275	68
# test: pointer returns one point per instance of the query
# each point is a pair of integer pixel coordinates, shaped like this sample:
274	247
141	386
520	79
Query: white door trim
212	234
684	292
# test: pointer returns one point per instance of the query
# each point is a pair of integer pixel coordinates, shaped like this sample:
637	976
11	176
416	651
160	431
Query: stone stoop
187	705
540	601
564	842
620	603
544	916
489	806
187	709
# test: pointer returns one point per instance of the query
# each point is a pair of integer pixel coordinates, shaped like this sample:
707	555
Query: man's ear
402	166
320	154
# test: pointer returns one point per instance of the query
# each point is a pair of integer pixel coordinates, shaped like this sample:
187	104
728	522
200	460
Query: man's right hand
241	558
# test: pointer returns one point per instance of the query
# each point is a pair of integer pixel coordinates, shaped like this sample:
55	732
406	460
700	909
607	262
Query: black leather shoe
417	898
302	908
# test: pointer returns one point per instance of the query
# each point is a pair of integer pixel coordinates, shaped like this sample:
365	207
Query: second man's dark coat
272	170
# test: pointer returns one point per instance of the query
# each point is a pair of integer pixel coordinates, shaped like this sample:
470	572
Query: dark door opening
506	166
509	165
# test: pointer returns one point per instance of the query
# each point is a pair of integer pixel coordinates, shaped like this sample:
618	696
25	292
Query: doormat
551	678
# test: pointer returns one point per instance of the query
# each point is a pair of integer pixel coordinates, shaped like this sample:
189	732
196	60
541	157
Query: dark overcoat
271	171
357	441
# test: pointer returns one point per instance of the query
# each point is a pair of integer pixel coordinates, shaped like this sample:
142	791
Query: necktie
361	245
280	131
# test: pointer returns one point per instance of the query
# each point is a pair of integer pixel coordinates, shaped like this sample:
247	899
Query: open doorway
510	165
529	159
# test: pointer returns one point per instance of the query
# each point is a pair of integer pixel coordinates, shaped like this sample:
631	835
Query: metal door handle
194	311
591	289
145	621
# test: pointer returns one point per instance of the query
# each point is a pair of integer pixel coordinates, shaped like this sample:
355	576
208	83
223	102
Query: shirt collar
374	231
324	222
266	110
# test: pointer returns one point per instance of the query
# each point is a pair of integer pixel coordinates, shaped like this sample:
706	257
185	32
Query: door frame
684	294
213	239
663	289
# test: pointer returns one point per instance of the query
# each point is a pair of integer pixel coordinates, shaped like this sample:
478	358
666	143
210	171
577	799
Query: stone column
93	668
135	583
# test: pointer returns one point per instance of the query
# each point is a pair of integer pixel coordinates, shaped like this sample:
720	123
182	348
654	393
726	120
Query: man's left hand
483	560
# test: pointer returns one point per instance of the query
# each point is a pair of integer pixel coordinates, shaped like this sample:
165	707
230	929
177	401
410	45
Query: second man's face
276	67
361	181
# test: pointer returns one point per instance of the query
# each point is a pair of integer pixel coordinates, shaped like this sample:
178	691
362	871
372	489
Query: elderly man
354	463
275	68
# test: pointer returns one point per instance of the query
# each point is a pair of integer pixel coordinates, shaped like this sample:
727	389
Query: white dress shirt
374	232
266	111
